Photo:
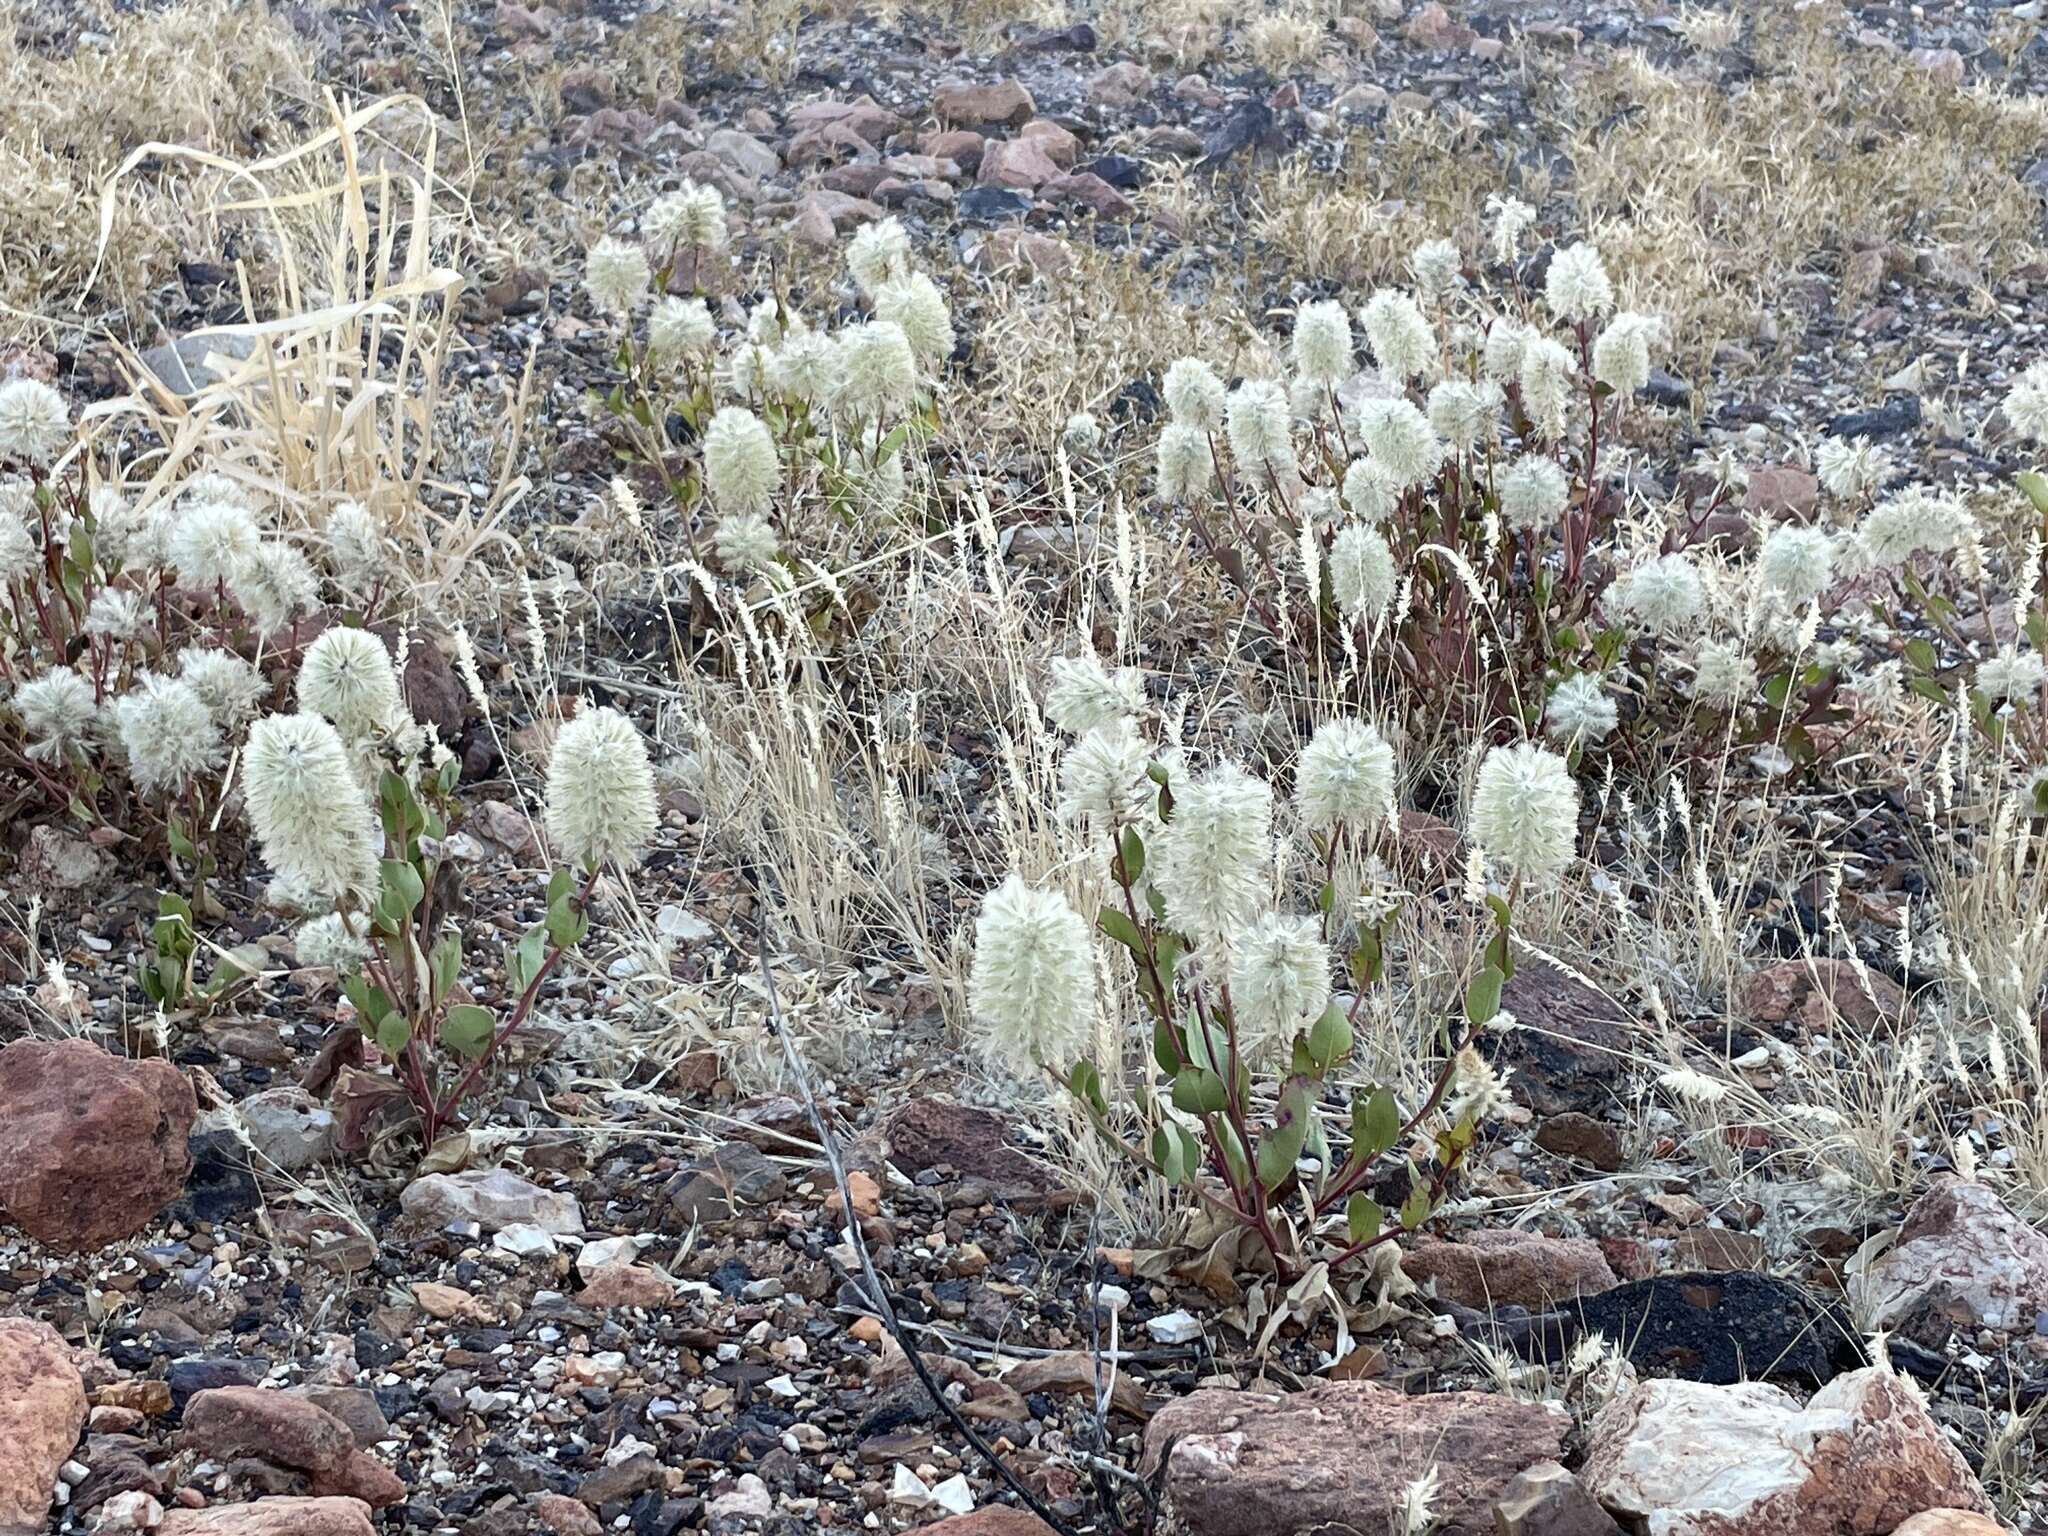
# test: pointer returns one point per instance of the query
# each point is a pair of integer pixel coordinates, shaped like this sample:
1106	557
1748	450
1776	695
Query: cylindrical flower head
1465	414
20	553
746	541
1576	286
169	736
1032	983
228	685
1851	467
1082	433
1533	493
1104	783
331	943
691	216
1525	811
1279	971
878	253
1666	595
878	371
1438	265
1400	440
1621	352
1371	491
600	790
1398	335
309	815
679	328
1580	711
1194	395
1797	564
277	586
1345	777
1361	573
1547	388
1187	465
740	468
806	366
1259	426
57	711
1084	694
1212	864
1917	519
1322	344
213	542
2012	674
616	274
117	614
1510	217
1501	358
2026	404
1723	675
355	545
35	424
347	679
914	302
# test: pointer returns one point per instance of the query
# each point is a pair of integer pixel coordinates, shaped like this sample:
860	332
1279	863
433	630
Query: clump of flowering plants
767	437
1435	519
1242	1096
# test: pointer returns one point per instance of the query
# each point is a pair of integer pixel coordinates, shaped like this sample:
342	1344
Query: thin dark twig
878	1294
1105	1378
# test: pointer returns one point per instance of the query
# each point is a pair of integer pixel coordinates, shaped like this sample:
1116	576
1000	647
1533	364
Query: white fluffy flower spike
600	790
1032	983
1525	811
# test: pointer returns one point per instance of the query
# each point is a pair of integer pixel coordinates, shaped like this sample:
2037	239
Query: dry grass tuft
217	75
1713	195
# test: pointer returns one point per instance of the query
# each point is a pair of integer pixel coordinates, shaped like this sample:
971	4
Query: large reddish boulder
1339	1457
42	1409
92	1145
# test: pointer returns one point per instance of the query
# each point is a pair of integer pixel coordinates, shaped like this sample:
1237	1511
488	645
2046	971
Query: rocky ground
231	1302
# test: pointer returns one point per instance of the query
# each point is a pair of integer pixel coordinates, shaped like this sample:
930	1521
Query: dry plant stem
878	1294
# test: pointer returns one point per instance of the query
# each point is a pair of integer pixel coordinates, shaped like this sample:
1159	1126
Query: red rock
565	1516
963	146
937	1133
1088	188
1572	1047
1339	1456
226	1422
625	1285
272	1517
1961	1258
1499	1268
1950	1522
1059	145
1546	1500
1717	1250
1020	164
969	106
42	1409
1026	252
1120	85
92	1145
1432	27
363	1477
1746	1460
1782	491
864	116
1582	1138
1818	993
